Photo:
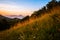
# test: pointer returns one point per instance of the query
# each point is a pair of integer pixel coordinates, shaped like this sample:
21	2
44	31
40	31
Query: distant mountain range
15	16
7	21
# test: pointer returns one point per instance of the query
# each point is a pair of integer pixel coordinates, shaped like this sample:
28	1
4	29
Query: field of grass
46	27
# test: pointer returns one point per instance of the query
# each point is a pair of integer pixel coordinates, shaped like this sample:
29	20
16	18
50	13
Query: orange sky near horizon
11	9
24	13
21	7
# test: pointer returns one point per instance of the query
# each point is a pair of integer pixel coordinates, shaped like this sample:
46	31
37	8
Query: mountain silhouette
15	16
6	22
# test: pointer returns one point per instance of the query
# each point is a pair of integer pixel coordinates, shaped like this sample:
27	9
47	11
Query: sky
21	7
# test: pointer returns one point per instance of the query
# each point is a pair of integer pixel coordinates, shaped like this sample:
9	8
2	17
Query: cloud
10	9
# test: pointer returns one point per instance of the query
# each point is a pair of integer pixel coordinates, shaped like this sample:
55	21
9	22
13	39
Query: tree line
46	8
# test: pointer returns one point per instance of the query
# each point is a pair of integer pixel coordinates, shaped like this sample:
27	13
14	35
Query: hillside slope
42	25
46	27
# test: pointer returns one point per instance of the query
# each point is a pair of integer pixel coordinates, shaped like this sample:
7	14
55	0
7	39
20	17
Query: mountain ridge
15	16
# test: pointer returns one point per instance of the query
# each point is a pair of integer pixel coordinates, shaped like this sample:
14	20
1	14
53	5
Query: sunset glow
20	7
6	9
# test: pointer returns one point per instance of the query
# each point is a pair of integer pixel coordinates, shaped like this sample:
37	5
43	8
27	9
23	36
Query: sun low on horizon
20	7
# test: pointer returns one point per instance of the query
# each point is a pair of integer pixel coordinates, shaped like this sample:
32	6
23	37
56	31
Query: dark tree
25	19
34	14
51	4
59	3
39	12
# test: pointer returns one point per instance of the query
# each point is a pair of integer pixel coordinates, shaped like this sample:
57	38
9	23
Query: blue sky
22	6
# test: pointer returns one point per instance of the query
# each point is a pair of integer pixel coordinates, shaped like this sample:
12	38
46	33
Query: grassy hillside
46	27
44	24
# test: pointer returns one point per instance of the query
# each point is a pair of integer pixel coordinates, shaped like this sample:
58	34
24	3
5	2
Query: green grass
45	28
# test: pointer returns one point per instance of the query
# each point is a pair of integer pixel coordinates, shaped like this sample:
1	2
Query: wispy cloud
11	9
24	7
